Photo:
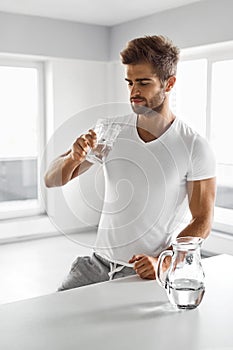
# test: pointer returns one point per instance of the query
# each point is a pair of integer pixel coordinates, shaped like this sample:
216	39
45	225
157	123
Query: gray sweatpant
93	269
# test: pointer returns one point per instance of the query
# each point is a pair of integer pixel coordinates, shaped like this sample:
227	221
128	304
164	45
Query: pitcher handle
161	258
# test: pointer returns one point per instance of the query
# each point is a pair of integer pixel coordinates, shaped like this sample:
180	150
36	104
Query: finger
140	269
166	263
145	267
92	133
79	152
148	274
146	271
143	261
80	147
78	155
136	258
91	138
132	260
138	266
80	142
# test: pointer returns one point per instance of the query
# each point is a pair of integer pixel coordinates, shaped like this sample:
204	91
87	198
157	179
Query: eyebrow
138	80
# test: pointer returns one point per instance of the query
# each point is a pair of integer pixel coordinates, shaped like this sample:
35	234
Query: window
21	138
202	98
191	93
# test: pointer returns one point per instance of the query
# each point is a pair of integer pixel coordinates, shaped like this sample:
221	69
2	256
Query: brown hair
157	50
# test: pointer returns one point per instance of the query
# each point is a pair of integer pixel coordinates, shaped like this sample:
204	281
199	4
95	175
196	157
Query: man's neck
151	127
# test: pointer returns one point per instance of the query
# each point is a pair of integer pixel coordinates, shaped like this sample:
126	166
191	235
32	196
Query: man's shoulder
184	129
189	133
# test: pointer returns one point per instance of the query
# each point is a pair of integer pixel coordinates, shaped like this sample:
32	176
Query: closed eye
141	82
144	83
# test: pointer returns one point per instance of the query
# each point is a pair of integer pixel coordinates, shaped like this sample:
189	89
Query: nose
135	91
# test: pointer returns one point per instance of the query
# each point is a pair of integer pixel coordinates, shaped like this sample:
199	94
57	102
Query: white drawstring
114	269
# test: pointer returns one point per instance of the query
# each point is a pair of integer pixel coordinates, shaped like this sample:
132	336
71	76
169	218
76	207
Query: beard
153	106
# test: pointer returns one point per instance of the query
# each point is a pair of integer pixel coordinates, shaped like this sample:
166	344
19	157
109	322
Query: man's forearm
60	171
72	163
198	227
64	169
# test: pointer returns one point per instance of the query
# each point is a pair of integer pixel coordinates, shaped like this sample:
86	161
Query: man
157	169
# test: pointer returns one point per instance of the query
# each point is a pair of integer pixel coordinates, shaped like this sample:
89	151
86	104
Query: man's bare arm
72	163
201	196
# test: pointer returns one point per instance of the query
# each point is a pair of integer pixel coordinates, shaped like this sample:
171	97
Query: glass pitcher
184	279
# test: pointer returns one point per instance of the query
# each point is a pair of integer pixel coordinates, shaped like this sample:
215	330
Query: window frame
30	62
223	221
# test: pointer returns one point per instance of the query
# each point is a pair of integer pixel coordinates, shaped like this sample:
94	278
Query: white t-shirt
145	199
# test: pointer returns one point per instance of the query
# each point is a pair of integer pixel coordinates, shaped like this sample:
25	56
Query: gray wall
201	23
31	35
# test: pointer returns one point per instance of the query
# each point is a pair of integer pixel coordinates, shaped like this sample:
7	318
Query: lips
137	100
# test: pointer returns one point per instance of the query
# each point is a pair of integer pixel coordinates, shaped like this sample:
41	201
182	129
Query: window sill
218	243
21	229
29	228
223	220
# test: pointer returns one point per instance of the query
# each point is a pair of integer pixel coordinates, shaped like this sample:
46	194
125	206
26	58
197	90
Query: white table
128	313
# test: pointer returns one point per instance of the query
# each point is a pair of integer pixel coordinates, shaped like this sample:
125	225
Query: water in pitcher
185	293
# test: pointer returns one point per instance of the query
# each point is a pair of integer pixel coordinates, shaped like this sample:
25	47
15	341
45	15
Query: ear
170	83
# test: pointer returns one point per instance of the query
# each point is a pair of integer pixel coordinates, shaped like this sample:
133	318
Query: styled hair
157	50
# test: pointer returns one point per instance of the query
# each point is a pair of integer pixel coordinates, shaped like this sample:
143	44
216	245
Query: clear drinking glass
107	133
184	281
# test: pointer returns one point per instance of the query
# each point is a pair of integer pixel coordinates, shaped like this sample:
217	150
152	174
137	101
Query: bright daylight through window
203	99
19	139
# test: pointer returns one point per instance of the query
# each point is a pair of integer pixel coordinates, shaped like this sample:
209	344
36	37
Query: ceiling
102	12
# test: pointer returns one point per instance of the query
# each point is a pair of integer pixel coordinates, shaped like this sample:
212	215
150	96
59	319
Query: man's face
146	92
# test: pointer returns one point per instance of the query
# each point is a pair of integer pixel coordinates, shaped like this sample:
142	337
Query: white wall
77	85
118	87
31	35
78	92
201	23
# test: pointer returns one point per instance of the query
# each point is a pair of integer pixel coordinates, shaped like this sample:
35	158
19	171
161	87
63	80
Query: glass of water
107	133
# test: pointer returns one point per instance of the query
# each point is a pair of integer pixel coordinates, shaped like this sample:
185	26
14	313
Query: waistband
113	266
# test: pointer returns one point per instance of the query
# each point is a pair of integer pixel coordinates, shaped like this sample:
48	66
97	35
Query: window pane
18	110
222	115
191	92
18	137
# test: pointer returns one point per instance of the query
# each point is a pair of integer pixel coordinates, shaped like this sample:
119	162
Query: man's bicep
201	194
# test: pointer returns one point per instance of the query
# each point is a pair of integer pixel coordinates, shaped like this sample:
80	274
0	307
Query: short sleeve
202	163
